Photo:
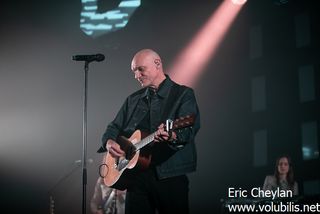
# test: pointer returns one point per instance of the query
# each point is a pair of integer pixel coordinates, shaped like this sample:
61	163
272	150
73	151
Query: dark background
41	96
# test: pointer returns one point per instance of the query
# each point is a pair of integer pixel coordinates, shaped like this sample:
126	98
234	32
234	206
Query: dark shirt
142	110
149	122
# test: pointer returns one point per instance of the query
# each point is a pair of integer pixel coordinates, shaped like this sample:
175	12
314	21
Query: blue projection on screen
97	24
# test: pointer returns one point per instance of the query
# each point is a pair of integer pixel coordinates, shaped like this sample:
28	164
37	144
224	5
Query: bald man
162	186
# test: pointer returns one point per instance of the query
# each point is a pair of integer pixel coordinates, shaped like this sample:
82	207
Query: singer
162	187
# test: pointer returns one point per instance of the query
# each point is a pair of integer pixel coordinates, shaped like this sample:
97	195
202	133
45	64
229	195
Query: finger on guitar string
114	149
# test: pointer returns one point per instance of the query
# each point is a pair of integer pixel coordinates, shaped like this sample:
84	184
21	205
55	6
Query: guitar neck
177	124
145	141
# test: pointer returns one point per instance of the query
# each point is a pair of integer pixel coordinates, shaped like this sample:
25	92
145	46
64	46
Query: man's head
147	68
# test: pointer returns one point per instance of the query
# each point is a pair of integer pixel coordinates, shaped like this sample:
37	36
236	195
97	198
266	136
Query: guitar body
114	169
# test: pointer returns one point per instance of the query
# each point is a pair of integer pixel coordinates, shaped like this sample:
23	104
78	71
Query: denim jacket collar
163	90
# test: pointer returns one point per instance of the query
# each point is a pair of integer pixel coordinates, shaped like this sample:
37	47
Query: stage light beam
240	2
192	60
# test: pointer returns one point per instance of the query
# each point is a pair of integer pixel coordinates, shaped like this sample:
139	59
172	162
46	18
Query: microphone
89	58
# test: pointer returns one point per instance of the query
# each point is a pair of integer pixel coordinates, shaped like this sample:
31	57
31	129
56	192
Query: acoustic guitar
112	169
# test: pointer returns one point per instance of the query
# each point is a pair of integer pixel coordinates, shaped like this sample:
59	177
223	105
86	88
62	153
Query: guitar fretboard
178	123
145	141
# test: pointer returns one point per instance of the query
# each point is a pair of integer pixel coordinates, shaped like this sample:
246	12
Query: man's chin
143	85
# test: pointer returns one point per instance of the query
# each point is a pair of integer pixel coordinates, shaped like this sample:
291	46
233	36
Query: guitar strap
175	93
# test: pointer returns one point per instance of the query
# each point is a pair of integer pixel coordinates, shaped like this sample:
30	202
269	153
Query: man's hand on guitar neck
163	135
114	149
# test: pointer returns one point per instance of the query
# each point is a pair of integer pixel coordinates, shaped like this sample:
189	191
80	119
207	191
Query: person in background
106	200
283	177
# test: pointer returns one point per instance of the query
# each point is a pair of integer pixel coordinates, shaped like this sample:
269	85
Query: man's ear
157	62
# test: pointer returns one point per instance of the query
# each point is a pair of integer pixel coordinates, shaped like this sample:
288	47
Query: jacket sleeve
188	106
115	127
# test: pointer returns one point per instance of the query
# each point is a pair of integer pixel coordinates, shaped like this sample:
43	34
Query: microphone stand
84	139
87	59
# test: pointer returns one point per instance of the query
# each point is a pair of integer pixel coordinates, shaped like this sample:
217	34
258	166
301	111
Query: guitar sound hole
103	170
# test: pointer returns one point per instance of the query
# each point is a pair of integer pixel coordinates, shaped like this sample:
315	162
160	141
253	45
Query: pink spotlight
239	2
195	56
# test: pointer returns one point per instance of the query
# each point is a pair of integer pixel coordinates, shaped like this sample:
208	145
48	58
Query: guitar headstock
183	122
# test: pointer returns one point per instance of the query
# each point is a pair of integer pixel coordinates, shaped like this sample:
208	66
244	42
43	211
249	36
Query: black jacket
169	159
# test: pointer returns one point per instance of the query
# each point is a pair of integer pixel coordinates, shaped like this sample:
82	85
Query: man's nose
137	74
